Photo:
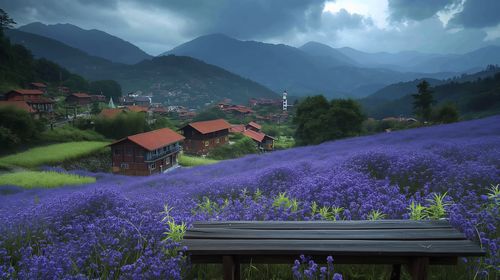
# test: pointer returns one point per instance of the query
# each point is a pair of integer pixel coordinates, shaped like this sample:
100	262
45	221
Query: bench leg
396	272
418	268
231	268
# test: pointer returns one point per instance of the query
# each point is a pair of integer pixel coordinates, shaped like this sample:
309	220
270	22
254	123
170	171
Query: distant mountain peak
94	42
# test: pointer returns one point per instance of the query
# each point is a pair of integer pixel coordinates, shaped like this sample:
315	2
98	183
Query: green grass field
52	154
34	179
186	160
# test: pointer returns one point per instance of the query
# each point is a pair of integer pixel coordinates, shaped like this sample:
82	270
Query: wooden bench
413	243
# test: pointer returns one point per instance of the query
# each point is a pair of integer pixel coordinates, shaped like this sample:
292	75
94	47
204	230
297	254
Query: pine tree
423	101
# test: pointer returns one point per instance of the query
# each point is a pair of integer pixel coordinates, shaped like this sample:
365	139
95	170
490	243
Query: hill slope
478	96
93	42
283	67
183	80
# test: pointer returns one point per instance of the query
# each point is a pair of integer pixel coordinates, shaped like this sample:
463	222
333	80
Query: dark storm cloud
245	18
416	9
478	14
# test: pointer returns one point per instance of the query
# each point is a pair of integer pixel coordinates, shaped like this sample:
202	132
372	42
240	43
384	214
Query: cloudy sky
440	26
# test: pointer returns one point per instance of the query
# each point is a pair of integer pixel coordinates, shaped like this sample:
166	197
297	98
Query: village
158	149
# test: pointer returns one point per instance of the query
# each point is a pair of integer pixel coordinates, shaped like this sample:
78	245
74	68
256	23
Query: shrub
122	125
18	126
240	148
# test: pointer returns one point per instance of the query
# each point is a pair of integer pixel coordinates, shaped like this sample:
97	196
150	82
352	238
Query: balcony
162	152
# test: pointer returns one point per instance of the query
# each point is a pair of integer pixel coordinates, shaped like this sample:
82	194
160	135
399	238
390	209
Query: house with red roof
263	141
79	99
253	126
201	137
40	86
146	153
110	113
34	98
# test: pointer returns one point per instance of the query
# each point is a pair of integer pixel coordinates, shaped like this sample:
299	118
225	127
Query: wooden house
21	105
264	142
253	126
146	153
79	99
203	136
110	113
98	98
34	98
39	86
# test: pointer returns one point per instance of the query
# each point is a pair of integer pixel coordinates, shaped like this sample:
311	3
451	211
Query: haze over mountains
313	68
93	42
182	80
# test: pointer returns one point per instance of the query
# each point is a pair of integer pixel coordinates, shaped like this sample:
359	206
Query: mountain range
311	69
177	79
94	42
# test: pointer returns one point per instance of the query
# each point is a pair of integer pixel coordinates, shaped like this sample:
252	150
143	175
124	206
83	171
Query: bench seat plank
306	225
326	234
434	248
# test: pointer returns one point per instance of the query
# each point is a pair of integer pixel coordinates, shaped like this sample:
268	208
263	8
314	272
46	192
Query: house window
118	151
130	151
124	165
207	143
152	166
217	140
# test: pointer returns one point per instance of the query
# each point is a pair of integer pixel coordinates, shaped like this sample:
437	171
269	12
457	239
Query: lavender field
113	228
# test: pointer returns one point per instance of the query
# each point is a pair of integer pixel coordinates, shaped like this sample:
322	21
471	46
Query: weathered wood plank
307	225
439	248
330	234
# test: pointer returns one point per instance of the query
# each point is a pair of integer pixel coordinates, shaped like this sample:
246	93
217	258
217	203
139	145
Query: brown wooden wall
200	144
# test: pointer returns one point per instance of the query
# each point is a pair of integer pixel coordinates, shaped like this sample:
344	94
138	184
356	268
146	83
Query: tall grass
69	133
49	179
186	160
52	154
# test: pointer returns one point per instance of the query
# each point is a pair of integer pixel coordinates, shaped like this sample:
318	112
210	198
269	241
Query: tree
210	114
17	127
307	118
423	101
448	113
318	120
96	109
5	20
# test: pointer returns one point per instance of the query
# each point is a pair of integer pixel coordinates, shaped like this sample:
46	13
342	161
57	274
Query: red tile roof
40	100
255	125
111	113
81	95
155	139
28	91
210	126
237	128
41	85
18	104
137	109
257	136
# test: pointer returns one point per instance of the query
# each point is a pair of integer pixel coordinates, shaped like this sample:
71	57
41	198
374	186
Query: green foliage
52	154
35	179
210	114
162	122
240	148
423	101
17	127
375	215
330	213
318	120
284	142
70	133
121	126
283	201
436	209
108	88
417	211
188	161
448	113
5	20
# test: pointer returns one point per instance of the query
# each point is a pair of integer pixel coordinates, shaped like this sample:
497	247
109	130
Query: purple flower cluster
306	268
113	228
